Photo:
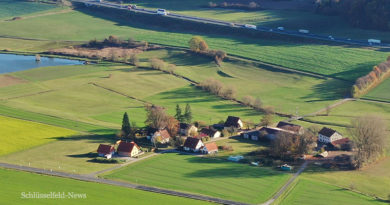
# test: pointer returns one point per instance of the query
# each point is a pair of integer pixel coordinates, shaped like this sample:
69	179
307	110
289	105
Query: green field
373	180
217	178
18	135
71	154
12	8
307	192
289	18
17	182
343	62
381	92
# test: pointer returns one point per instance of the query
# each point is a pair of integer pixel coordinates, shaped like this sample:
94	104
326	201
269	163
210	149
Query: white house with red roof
128	149
106	151
193	144
209	148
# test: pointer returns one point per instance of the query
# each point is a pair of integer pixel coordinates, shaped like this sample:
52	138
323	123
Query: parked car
250	26
303	31
281	28
162	12
132	6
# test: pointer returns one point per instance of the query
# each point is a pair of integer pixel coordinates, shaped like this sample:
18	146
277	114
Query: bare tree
266	120
156	117
369	135
282	144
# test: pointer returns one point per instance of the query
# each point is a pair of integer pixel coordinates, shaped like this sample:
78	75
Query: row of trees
198	45
184	117
159	64
373	14
372	79
218	88
114	41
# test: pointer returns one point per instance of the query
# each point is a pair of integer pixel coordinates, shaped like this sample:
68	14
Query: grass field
71	154
20	45
290	19
11	8
381	92
17	135
307	192
344	62
373	180
17	182
216	178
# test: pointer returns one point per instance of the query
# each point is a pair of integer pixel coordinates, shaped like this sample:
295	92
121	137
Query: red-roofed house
105	151
128	149
192	144
161	136
210	148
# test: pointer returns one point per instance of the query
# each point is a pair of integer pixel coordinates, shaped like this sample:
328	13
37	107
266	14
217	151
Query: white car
162	12
281	28
250	26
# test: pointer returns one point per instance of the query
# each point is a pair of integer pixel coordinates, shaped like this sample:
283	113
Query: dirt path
119	183
285	186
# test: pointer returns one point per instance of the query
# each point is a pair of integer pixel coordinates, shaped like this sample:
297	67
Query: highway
239	25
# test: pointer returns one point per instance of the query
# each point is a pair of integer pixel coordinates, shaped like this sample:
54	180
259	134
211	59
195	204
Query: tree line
365	83
371	14
199	46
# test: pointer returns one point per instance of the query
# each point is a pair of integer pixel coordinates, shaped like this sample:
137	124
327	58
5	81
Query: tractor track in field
27	95
119	183
119	93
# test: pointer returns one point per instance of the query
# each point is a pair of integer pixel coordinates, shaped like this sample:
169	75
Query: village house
106	151
210	148
160	136
235	122
210	132
128	149
187	129
291	127
271	132
342	144
252	135
193	144
327	135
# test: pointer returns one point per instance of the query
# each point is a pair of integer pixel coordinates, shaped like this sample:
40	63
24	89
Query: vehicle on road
303	31
280	28
250	26
374	41
331	37
162	12
132	6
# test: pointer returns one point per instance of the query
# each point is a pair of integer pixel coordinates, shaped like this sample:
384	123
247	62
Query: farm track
119	93
119	183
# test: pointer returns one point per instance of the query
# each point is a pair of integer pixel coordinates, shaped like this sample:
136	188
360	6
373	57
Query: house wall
335	136
125	154
240	123
217	134
135	151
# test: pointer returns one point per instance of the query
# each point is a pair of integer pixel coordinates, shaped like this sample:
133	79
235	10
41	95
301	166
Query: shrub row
218	88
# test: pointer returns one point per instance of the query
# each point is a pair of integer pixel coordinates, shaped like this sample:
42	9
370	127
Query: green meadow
217	178
307	191
12	8
17	182
17	135
381	92
338	61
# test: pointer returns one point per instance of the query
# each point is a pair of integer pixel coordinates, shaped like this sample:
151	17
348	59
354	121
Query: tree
266	120
178	114
172	126
197	44
369	135
188	114
248	100
327	110
282	144
133	60
126	128
305	142
257	104
156	117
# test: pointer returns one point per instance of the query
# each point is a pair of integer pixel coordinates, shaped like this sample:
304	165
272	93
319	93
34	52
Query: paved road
239	25
285	186
118	183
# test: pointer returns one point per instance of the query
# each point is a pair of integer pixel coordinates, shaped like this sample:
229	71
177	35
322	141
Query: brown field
7	80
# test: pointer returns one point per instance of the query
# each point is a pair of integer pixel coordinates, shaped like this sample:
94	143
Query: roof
253	133
164	134
126	146
208	131
289	126
185	126
340	141
105	149
191	142
201	135
232	121
327	132
211	147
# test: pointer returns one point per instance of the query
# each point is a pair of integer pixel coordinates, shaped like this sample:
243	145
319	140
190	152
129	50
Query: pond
13	63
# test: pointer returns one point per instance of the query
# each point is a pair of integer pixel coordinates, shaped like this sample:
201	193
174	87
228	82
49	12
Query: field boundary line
119	93
28	95
119	183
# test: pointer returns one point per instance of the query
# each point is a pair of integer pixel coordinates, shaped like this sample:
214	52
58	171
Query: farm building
328	135
105	151
271	132
210	132
210	148
253	135
128	149
232	121
192	144
160	136
342	144
291	127
187	129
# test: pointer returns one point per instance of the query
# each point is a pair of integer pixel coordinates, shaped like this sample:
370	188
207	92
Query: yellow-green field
17	135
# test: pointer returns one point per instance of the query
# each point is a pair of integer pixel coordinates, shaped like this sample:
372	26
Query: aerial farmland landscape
237	102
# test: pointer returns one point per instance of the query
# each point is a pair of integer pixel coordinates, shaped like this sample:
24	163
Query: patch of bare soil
7	80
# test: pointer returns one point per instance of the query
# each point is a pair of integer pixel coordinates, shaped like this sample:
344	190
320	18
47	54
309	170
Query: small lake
12	63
